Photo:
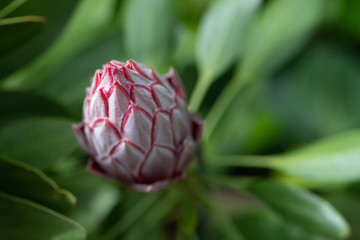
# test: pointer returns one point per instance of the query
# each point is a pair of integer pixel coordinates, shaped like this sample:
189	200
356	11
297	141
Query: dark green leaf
37	141
302	208
189	215
96	197
265	225
148	32
318	94
347	202
22	180
132	215
70	44
21	219
23	50
18	31
15	105
349	19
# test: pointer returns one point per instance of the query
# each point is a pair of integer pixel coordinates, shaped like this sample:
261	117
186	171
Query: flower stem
225	225
197	96
221	105
130	217
243	161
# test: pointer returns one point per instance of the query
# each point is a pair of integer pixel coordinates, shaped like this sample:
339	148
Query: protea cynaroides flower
136	128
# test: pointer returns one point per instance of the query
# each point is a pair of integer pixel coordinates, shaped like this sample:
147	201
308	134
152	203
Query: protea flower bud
136	127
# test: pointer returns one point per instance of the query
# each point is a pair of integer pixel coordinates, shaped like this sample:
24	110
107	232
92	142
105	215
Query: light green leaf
220	40
302	208
148	32
21	219
37	141
22	180
221	35
332	160
283	28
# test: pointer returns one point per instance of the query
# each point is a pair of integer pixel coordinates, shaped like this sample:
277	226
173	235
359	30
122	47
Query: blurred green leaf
265	225
22	180
189	215
318	94
280	32
223	223
70	44
21	219
56	15
15	105
37	141
302	208
96	197
349	19
220	39
259	129
18	31
283	28
68	87
148	32
347	202
8	6
329	161
132	215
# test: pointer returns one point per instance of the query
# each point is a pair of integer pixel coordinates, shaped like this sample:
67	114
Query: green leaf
332	160
132	215
317	102
223	223
349	20
15	105
189	215
68	87
23	50
96	197
221	35
22	180
21	219
18	31
69	44
302	208
265	225
37	141
347	202
283	28
148	32
220	40
6	6
280	32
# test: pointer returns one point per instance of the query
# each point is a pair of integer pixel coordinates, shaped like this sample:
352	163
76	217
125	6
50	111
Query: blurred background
269	77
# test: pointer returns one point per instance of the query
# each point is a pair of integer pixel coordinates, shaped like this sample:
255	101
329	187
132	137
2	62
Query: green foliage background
277	81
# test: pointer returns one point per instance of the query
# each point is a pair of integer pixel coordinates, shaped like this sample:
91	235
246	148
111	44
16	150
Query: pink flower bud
136	127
